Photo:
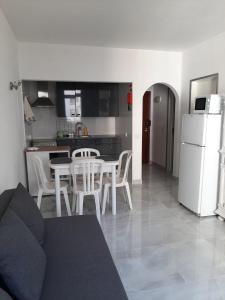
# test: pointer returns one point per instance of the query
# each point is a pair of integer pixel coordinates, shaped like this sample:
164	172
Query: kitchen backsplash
47	124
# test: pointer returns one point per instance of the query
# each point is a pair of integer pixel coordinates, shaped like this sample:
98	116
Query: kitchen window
72	103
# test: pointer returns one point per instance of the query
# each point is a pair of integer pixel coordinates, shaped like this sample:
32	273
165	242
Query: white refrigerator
199	162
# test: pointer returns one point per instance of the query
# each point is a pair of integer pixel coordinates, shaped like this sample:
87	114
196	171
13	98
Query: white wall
79	63
204	59
123	124
11	129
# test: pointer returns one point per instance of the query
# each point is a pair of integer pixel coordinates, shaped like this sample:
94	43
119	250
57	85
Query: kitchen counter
49	149
90	137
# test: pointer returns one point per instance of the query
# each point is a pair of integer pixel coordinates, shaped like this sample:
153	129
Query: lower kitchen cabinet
106	146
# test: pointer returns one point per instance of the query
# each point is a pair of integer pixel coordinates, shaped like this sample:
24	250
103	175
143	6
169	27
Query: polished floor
161	250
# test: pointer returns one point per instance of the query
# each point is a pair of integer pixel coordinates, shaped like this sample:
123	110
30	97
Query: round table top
67	165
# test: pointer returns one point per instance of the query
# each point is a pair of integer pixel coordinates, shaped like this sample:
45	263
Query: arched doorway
158	126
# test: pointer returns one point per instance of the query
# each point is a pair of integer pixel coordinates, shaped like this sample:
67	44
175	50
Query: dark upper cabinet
108	104
66	99
87	99
60	107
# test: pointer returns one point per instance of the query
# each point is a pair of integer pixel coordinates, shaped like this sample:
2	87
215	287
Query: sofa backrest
5	199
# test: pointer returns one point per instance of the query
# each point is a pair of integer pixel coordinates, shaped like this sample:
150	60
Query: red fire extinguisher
129	98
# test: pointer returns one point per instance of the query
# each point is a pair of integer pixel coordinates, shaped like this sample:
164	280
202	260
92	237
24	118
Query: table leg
114	190
57	191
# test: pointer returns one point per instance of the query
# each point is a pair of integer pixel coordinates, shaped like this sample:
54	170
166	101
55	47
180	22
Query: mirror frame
200	78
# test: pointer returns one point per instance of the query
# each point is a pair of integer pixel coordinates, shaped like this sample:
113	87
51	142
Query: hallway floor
161	250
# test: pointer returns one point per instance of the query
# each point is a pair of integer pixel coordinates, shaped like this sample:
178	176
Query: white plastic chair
85	152
121	179
48	187
91	172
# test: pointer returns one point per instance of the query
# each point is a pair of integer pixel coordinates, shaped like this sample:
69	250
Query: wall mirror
202	86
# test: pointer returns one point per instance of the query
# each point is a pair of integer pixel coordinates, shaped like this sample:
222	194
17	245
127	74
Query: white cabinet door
194	129
190	176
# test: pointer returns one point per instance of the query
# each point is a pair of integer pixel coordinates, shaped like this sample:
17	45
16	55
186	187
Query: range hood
43	102
43	99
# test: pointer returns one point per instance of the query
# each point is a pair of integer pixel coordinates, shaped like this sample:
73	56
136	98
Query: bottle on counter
85	131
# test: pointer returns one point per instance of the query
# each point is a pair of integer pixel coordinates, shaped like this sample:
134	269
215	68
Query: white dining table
64	169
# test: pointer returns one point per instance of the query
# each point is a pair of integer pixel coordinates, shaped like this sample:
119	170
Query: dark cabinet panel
106	146
60	105
84	143
87	99
108	99
114	103
65	99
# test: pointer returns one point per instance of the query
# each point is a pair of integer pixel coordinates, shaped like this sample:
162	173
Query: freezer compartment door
194	129
190	176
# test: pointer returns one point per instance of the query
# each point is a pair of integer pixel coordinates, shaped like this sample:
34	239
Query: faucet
78	128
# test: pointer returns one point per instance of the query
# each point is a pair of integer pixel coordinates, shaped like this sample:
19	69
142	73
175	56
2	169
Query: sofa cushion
5	199
79	262
22	260
4	295
26	208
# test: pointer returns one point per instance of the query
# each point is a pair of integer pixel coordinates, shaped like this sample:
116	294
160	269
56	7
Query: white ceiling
144	24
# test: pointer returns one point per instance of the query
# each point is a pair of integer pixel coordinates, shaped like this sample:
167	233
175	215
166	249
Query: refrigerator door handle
197	145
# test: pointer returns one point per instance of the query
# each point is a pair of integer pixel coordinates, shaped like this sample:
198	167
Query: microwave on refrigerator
208	105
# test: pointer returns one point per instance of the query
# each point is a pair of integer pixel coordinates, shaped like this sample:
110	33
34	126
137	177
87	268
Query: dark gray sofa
79	265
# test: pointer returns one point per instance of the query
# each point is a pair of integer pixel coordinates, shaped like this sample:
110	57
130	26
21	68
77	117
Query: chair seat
50	186
108	180
79	188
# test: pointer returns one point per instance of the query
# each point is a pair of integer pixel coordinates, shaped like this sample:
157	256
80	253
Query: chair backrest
85	152
124	158
39	172
91	171
127	165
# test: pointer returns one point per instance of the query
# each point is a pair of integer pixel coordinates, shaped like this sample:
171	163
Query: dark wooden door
146	127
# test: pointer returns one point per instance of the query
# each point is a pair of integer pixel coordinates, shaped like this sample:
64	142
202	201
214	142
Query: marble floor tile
211	290
161	249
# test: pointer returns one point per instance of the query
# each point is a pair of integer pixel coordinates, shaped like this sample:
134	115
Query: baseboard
137	182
